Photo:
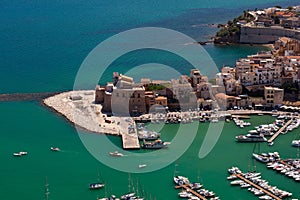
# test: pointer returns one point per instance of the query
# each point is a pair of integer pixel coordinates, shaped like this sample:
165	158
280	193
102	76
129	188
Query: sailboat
97	185
130	194
47	193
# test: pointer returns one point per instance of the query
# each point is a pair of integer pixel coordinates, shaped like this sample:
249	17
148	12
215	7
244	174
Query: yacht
296	143
251	138
157	144
148	135
261	158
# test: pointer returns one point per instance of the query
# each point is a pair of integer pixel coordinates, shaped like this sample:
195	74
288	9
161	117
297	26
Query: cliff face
234	38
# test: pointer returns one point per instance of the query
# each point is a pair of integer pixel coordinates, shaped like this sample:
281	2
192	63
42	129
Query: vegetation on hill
230	33
153	87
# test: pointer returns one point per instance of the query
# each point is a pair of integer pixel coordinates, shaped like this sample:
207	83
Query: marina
261	186
192	190
288	167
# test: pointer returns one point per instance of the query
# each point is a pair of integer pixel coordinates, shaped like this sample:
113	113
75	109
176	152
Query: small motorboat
19	154
142	165
116	153
55	149
94	186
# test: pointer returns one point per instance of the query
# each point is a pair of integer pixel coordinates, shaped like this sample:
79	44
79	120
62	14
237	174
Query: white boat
184	194
127	196
142	165
19	154
195	186
116	153
296	143
54	149
237	182
181	180
96	185
260	158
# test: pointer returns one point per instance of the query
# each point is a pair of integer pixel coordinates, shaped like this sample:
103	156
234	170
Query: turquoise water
70	171
42	46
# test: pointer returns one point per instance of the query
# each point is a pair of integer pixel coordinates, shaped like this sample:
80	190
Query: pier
257	186
279	131
191	191
241	116
128	131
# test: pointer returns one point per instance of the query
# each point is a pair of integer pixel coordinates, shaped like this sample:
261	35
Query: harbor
68	137
263	189
288	167
193	190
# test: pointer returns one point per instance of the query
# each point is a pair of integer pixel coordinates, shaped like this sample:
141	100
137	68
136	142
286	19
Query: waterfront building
286	46
226	101
273	96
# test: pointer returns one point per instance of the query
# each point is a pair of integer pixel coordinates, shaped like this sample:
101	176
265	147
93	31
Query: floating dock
279	131
241	116
257	186
191	191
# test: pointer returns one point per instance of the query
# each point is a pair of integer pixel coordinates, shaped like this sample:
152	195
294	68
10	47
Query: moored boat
251	138
260	158
181	180
157	144
296	143
127	196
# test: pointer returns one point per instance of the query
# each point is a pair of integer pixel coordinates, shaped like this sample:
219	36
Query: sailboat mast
47	189
128	182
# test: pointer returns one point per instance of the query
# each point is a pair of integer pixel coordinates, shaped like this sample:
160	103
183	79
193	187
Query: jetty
128	131
26	96
279	131
257	186
187	188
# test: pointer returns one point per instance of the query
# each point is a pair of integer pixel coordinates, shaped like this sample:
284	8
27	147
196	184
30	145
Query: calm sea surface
42	46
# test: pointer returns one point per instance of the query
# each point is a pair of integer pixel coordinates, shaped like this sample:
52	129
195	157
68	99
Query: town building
273	96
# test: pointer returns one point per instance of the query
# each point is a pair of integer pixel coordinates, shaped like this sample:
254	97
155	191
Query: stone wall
262	35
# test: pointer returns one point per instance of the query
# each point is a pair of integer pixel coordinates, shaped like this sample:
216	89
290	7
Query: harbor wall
264	35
